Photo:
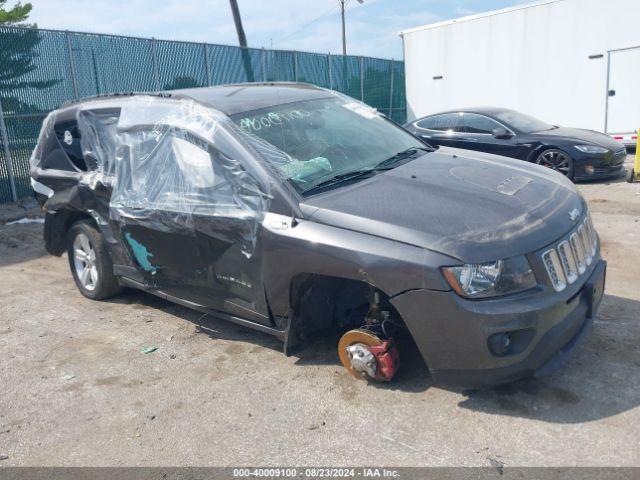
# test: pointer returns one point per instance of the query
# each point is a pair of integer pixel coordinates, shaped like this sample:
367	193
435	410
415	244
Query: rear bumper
454	338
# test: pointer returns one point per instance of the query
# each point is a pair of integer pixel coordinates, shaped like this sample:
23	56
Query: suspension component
367	356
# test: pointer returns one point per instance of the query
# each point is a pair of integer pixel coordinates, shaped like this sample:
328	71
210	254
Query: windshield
522	122
323	139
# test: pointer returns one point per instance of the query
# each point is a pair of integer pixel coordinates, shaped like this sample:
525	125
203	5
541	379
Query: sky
310	25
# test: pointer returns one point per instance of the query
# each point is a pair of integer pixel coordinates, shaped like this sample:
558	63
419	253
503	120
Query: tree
14	17
17	57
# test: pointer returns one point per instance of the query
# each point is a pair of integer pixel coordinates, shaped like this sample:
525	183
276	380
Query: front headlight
591	149
491	279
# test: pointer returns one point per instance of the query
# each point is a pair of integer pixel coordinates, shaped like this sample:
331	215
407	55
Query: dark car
293	209
578	154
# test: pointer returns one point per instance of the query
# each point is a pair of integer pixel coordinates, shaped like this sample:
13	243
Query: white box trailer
569	62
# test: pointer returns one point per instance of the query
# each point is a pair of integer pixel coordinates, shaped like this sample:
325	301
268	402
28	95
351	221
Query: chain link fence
41	69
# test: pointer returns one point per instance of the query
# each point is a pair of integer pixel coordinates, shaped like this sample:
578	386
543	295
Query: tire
557	160
90	263
630	175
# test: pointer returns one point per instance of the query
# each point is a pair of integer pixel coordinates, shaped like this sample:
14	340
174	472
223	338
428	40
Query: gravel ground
76	390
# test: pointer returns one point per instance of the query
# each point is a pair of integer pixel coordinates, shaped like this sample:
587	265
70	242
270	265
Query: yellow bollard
636	164
634	174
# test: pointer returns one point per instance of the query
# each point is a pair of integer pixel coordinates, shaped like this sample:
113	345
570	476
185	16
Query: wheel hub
362	360
367	357
84	260
555	160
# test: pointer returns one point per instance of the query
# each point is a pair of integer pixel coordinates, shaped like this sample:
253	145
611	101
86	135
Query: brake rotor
355	338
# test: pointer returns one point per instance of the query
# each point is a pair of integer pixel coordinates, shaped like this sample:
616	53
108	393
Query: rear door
443	130
623	106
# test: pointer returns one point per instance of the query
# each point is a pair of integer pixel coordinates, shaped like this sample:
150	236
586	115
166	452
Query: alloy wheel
555	160
84	261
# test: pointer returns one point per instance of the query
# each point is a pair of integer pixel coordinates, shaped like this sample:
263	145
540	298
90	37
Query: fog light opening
500	344
590	169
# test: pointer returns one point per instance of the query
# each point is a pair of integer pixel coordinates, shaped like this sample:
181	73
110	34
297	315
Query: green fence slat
180	65
5	185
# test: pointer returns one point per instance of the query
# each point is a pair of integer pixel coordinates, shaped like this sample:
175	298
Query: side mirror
502	133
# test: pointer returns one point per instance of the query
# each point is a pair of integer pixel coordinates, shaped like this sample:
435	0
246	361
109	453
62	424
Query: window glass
522	122
319	139
446	122
474	123
68	137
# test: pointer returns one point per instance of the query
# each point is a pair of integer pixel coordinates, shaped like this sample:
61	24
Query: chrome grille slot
569	259
568	262
554	269
593	238
586	247
578	253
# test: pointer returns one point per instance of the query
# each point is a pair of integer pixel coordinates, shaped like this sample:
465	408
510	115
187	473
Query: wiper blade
384	165
409	152
343	177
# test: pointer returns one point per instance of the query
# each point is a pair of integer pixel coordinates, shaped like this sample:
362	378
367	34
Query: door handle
612	93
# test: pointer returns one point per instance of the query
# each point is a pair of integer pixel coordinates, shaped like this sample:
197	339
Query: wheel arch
535	153
56	228
319	302
57	225
572	159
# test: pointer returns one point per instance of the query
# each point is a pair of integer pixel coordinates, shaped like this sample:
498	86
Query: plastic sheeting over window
172	165
98	137
178	167
47	135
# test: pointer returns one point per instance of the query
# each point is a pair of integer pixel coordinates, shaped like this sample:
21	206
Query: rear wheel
90	262
557	160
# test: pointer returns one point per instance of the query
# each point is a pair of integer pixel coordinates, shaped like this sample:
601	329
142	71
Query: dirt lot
76	390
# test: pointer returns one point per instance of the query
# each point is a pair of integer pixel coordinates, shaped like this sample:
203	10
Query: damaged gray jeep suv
292	209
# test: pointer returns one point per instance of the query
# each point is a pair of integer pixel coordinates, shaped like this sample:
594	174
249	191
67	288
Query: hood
587	136
472	206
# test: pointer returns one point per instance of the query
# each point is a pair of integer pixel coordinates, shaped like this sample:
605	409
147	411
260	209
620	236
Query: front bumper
592	167
452	334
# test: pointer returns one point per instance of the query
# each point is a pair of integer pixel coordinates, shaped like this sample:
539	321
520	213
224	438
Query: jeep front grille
569	259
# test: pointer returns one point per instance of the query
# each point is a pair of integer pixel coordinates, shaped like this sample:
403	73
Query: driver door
478	135
186	229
